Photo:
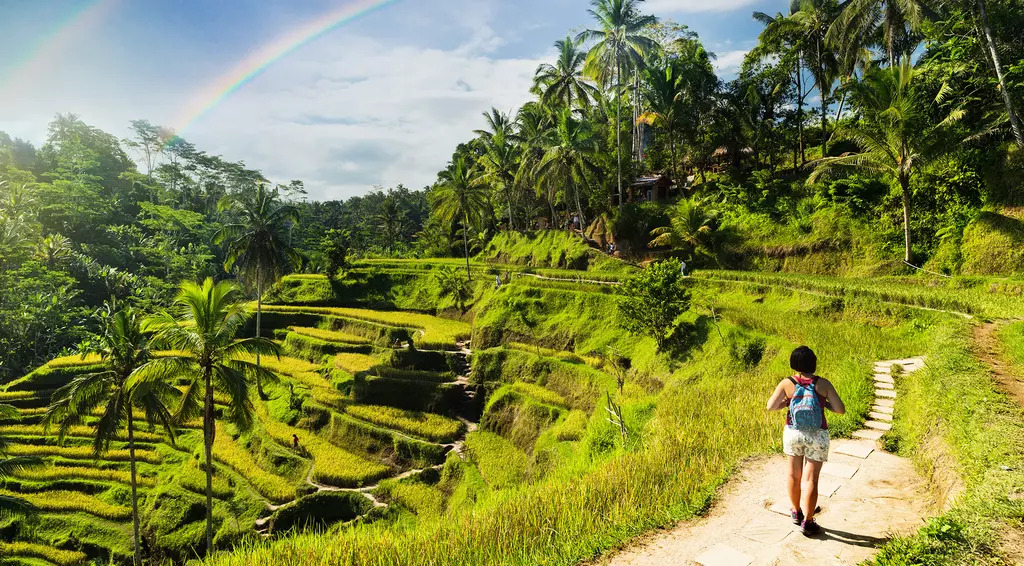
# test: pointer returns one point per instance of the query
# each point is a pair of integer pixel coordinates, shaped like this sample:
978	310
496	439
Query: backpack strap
793	381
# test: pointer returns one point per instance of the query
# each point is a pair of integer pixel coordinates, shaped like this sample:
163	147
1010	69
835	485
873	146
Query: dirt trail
987	348
866	495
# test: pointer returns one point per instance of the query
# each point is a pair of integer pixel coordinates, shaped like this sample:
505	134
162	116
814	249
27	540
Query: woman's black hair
803	360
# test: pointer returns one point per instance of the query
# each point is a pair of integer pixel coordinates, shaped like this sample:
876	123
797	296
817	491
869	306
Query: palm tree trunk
800	110
618	127
824	121
579	209
990	45
135	495
208	432
259	316
465	243
672	143
905	186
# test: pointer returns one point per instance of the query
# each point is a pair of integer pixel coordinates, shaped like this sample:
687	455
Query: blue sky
381	101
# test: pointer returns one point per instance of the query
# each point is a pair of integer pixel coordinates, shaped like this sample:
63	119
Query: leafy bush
651	301
745	348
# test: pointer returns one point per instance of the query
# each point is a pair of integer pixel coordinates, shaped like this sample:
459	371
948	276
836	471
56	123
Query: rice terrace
724	284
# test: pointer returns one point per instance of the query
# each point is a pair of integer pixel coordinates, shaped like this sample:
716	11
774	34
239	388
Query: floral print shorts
812	445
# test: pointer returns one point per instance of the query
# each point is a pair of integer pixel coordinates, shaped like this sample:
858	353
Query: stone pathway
865	495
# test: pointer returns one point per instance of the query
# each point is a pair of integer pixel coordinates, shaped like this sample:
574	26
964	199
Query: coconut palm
569	158
203	327
896	135
391	221
812	20
894	25
619	47
564	82
501	153
461	196
690	231
665	111
258	243
533	122
124	351
10	505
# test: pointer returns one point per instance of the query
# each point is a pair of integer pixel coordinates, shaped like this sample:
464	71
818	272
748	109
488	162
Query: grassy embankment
560	501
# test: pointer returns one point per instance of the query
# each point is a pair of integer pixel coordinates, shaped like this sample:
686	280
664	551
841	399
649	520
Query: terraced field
342	392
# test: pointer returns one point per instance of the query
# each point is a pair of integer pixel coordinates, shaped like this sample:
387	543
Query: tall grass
690	444
53	473
330	335
951	415
435	332
332	465
53	555
420	424
73	501
79	431
82	453
268	484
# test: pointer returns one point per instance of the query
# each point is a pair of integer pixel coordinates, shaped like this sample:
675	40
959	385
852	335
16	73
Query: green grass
433	332
53	555
330	335
355	363
1012	338
500	462
951	414
79	431
423	425
609	492
73	501
51	473
332	465
987	297
268	484
82	452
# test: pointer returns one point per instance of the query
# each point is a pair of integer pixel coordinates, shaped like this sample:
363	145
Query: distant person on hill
805	439
295	441
682	268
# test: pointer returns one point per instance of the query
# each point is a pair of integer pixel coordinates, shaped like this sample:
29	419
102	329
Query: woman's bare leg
796	466
812	470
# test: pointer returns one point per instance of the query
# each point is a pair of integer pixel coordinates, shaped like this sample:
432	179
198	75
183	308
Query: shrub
424	425
651	301
744	347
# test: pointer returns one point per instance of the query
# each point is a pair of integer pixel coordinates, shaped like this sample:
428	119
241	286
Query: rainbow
52	45
259	61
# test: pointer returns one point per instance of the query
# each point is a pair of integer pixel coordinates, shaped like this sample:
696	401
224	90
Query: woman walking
805	439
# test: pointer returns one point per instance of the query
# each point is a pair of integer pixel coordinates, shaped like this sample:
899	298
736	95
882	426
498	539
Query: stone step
884	385
886	402
881	409
868	434
877	425
885	417
885	393
859	449
839	470
884	377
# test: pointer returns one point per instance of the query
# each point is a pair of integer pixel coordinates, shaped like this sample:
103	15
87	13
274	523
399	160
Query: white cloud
665	6
359	113
729	62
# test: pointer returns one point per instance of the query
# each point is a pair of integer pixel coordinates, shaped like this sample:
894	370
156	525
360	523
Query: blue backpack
805	411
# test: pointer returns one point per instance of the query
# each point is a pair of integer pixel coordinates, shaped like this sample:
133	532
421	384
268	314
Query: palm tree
205	331
892	24
533	122
690	229
620	47
124	350
896	135
664	86
993	53
10	505
501	153
564	83
812	20
780	38
390	219
569	158
257	243
460	196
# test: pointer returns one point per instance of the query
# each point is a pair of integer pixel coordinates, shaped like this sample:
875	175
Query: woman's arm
779	399
835	404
